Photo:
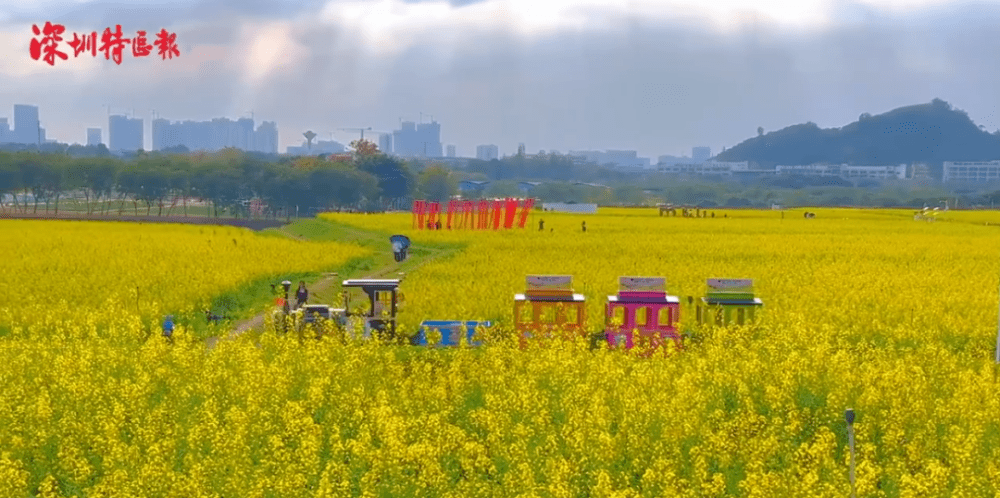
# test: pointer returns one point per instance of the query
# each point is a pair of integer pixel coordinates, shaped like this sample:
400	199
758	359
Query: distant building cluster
423	140
214	135
318	147
417	140
744	168
720	168
125	134
26	128
487	152
617	158
700	154
846	171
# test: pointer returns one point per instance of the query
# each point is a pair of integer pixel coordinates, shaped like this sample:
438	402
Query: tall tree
395	180
437	183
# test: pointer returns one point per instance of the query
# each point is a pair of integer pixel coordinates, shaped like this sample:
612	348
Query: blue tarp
450	331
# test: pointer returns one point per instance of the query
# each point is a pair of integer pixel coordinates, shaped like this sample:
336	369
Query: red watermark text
45	46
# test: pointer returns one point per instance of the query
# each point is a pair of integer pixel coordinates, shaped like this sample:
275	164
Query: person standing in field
301	295
584	226
541	225
168	328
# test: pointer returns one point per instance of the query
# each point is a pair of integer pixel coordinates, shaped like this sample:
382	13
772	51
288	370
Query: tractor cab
383	298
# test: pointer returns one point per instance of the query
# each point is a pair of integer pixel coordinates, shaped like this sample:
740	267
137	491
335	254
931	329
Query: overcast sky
655	76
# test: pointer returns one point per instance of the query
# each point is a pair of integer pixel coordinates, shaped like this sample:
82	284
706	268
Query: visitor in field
541	225
301	295
168	327
584	226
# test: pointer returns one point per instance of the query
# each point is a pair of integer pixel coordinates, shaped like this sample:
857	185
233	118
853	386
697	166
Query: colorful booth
642	314
728	302
549	304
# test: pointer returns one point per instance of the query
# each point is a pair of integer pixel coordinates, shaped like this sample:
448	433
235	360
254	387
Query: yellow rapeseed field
865	309
71	277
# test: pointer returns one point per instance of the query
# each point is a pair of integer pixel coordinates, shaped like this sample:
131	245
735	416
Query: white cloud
658	76
270	47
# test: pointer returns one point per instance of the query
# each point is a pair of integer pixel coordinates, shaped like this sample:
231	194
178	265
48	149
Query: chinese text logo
112	44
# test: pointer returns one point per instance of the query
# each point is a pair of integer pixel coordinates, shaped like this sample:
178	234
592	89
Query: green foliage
928	133
227	179
437	183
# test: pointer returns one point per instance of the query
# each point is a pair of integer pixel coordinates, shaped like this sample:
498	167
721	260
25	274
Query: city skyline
655	77
413	138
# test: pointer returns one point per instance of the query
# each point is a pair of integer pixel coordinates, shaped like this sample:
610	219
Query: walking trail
386	265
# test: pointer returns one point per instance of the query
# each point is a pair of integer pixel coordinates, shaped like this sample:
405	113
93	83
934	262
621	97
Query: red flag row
474	215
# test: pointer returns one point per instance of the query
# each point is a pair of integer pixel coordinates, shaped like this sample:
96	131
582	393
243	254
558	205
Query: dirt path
385	266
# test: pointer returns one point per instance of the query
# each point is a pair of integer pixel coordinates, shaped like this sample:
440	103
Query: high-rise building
451	151
243	138
700	154
124	134
93	137
216	134
417	140
487	152
265	139
6	135
162	136
26	127
385	143
520	149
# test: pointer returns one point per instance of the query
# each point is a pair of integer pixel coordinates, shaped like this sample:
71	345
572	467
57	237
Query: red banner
484	215
419	208
497	213
434	218
525	210
468	213
451	212
510	212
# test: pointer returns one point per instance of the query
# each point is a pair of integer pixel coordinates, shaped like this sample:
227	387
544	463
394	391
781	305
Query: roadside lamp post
849	416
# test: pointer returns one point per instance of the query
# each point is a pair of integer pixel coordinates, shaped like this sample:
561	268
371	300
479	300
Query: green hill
928	133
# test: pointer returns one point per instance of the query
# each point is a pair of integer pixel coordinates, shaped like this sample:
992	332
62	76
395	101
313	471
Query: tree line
366	179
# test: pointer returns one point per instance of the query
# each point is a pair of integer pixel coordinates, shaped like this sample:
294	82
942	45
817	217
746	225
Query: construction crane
362	130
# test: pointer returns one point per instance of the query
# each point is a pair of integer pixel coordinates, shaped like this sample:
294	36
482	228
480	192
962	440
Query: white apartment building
707	168
845	171
971	171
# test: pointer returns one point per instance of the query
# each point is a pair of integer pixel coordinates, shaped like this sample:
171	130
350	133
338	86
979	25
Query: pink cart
642	315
